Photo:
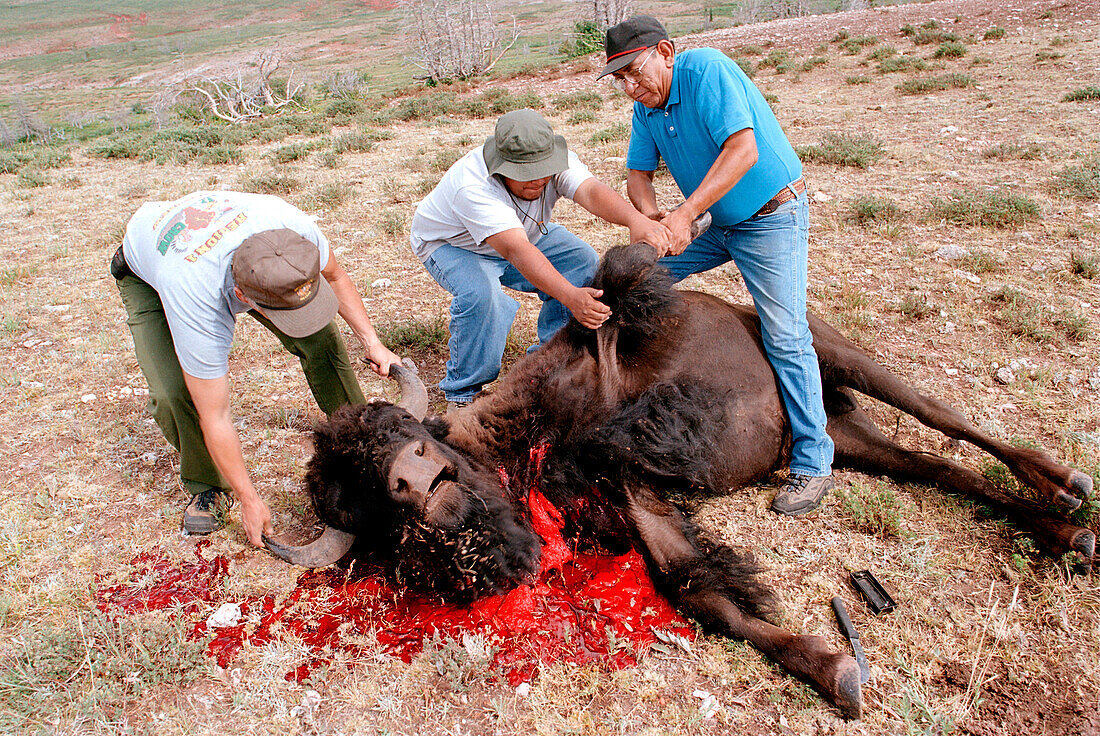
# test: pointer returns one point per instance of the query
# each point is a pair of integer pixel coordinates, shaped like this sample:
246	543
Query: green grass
418	334
997	209
981	260
857	79
882	52
867	210
844	149
270	183
950	50
579	100
872	508
993	34
333	194
914	305
1083	94
1086	265
1014	151
582	116
906	63
617	132
293	152
924	85
1024	318
1081	181
93	667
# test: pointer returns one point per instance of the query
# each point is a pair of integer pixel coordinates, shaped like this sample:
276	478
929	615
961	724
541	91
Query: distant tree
607	13
455	39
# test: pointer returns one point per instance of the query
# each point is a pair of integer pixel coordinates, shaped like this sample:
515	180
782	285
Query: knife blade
852	635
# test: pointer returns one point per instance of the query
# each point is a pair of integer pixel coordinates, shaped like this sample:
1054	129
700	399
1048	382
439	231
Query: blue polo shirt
711	99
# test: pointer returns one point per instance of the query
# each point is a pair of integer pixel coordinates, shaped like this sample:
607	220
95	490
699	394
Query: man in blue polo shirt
718	137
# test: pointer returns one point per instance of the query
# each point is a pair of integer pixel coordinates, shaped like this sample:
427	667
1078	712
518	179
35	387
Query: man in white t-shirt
185	270
487	224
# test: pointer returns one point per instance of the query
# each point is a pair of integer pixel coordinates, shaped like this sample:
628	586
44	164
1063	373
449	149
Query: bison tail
637	289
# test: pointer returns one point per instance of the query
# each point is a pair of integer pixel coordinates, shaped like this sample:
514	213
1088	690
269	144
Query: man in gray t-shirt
185	270
487	224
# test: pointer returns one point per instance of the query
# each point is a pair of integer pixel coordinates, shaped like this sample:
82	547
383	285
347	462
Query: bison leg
861	446
686	572
844	364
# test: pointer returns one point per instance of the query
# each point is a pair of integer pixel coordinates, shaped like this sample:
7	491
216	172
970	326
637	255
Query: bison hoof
1081	484
1066	501
846	692
1084	542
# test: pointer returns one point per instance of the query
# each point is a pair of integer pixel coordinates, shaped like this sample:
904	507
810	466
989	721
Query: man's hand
646	230
678	223
380	358
256	518
585	306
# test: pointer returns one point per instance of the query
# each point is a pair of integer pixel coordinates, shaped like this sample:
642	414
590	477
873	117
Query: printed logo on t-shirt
178	232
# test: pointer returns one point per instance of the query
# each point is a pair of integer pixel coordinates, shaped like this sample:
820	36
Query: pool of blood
584	607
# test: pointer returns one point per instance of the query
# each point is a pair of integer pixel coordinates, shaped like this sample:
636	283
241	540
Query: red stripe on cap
628	51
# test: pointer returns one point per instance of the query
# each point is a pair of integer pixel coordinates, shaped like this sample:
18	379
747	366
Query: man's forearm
639	187
604	202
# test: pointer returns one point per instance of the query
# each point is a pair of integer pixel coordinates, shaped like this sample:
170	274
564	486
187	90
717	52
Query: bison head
436	521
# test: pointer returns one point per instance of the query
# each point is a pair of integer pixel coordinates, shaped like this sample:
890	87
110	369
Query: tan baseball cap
280	271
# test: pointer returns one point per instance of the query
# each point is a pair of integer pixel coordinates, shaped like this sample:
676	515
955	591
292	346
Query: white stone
87	398
381	284
228	614
820	196
1005	376
950	252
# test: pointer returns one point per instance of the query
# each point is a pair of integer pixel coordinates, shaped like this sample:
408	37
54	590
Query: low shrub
1081	95
1086	265
844	149
949	50
1014	151
617	132
1081	181
270	183
579	100
996	209
993	34
905	63
924	85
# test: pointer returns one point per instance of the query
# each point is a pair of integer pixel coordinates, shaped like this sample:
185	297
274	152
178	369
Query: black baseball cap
625	41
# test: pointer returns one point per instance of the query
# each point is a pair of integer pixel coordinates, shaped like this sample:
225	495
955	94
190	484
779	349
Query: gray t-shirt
184	249
468	206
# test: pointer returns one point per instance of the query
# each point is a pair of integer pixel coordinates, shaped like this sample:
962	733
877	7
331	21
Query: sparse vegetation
1086	265
617	132
981	260
1080	181
416	334
1083	94
270	183
858	79
924	85
293	152
1014	151
904	63
873	508
844	149
994	34
867	210
914	305
996	209
950	50
579	100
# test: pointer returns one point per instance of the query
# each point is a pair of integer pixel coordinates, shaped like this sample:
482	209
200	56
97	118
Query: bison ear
438	427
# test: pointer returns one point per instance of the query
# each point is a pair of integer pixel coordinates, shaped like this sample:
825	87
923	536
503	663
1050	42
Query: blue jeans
482	314
771	252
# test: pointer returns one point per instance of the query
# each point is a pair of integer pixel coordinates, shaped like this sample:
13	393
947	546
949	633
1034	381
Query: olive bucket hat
280	272
525	148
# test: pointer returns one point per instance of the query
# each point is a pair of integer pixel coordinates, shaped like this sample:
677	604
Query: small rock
56	307
948	328
228	614
950	252
523	690
820	196
951	371
951	174
1005	376
381	284
948	129
87	398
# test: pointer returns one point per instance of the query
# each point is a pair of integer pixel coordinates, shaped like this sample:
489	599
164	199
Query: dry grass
990	637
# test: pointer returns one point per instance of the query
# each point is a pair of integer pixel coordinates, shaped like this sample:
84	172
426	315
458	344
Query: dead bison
672	394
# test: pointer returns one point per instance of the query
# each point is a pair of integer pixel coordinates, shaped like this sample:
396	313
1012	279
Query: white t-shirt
468	205
184	249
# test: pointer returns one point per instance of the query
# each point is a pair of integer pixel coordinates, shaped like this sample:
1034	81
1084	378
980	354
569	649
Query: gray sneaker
456	406
207	512
801	494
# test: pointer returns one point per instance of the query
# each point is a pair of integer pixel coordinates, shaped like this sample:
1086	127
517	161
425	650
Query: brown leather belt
786	194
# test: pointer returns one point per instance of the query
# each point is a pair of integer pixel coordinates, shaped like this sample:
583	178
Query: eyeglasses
632	77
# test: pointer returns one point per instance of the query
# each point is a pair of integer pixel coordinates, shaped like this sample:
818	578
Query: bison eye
419	450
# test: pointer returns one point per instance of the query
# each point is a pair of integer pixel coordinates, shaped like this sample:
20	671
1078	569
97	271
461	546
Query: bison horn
414	397
321	552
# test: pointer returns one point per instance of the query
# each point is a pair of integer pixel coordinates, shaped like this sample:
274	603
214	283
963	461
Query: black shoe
207	512
801	494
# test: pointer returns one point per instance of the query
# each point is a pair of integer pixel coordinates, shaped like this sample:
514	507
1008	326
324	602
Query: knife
852	635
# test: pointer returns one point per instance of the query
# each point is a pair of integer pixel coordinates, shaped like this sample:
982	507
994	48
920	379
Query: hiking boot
801	494
207	512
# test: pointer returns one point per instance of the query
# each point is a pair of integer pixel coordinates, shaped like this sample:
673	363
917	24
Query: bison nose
415	469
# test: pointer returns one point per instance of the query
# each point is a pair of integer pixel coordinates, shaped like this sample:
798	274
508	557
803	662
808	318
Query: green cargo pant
323	356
